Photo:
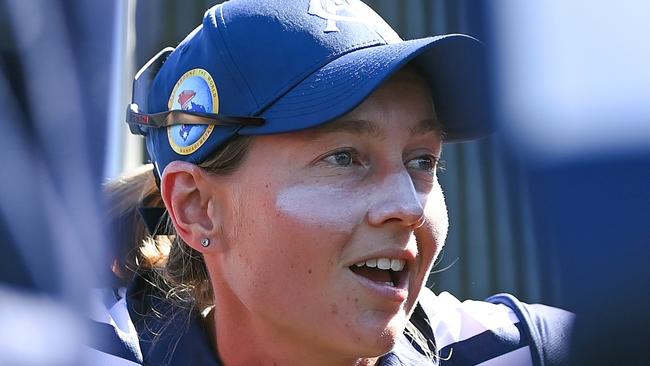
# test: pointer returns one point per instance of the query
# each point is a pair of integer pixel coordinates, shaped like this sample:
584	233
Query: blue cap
298	64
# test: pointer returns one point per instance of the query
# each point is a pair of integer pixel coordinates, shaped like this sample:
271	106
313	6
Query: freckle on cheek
309	271
334	309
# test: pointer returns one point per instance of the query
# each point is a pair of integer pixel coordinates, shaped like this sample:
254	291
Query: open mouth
385	271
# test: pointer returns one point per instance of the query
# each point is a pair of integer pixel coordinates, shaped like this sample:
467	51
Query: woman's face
321	224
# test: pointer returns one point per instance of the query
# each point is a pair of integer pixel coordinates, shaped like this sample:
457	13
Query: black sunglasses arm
140	122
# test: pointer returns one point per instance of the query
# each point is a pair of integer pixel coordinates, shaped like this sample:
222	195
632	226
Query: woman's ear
191	202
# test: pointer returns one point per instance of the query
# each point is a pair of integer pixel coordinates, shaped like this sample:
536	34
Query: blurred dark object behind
54	69
572	80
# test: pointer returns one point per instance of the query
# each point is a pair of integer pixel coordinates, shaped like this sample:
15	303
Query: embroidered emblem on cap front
329	10
194	91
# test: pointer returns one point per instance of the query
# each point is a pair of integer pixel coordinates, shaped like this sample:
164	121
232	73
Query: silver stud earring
205	242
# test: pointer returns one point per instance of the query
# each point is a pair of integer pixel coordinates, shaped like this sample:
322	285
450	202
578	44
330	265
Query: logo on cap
195	91
329	10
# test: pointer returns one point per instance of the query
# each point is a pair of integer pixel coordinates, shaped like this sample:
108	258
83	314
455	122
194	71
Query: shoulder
137	325
114	339
548	328
499	331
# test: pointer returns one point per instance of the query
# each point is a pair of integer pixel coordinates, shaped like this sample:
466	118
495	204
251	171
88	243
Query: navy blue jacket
498	331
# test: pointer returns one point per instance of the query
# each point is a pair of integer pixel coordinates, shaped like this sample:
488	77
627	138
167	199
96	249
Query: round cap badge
194	91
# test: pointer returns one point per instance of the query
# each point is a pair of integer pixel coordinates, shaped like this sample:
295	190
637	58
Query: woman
298	170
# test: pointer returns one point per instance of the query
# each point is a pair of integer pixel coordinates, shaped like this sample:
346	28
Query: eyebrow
363	127
426	126
357	127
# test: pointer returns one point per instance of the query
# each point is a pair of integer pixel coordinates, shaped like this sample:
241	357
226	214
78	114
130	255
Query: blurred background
554	208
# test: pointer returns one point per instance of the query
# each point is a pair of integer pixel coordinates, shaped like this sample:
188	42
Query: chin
381	340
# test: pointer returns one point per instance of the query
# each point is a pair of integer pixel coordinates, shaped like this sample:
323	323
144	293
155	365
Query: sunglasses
140	122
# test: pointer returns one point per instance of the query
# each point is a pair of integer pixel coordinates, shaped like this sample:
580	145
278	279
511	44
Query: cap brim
453	65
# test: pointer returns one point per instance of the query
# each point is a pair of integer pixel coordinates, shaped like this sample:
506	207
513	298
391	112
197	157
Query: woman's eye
426	163
341	158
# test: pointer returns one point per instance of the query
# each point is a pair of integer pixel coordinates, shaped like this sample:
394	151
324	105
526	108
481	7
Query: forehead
403	102
374	129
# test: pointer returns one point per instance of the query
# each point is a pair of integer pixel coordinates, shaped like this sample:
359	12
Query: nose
396	200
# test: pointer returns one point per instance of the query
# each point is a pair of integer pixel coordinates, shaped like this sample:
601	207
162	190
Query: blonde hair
124	196
178	270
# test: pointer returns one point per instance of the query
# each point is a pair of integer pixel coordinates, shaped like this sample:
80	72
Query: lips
378	277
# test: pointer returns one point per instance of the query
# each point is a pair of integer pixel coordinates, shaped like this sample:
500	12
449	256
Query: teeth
389	283
397	264
384	263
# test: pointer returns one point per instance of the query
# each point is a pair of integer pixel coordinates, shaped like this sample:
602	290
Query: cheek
282	253
432	234
327	207
436	214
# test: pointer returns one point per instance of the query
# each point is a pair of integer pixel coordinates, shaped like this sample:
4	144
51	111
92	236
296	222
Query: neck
242	339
